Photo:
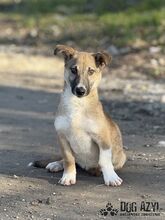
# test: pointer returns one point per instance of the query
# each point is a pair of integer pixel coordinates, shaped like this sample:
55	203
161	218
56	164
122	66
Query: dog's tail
39	163
43	163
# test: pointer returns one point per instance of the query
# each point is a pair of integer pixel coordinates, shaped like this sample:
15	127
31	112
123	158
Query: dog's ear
66	51
102	59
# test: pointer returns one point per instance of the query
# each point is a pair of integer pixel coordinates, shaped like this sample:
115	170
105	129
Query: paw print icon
114	212
103	212
108	210
109	206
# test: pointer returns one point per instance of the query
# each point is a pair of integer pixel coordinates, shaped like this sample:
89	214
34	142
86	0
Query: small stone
154	49
48	201
145	196
36	202
125	50
161	144
156	159
154	62
34	32
125	147
147	145
156	127
141	154
160	168
163	99
113	50
15	176
155	165
131	158
162	61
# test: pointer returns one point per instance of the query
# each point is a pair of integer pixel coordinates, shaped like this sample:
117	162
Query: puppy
87	135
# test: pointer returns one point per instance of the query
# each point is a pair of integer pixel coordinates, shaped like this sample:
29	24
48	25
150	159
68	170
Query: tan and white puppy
87	135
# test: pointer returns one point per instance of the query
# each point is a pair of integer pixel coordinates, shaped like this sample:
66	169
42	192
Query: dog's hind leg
55	166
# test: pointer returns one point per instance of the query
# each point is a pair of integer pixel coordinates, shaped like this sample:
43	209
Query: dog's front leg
105	162
109	174
69	174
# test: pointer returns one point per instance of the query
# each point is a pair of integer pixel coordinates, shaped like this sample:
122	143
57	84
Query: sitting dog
87	135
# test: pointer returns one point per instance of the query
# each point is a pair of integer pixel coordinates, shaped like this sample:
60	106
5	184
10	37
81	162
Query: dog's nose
80	91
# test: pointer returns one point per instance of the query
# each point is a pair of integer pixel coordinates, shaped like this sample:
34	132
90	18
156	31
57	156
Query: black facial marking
74	70
74	83
80	81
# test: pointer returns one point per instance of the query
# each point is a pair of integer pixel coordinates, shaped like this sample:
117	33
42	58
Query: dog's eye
91	71
74	70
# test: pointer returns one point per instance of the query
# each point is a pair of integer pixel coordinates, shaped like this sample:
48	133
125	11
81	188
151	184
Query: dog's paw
112	179
30	164
68	179
55	166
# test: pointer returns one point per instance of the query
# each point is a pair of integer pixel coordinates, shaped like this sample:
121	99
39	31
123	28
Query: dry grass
35	72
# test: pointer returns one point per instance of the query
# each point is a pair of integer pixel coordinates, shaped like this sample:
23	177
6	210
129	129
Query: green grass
120	22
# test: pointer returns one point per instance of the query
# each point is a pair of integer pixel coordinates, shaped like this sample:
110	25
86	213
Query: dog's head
82	70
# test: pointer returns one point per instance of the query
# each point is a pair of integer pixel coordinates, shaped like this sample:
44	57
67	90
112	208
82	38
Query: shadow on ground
27	131
27	134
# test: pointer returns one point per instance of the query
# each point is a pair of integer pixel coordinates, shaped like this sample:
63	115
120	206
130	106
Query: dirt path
29	92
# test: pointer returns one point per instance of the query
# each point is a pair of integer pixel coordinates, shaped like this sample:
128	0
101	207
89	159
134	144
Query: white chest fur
77	128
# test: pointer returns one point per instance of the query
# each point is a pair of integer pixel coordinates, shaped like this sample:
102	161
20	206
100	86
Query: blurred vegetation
90	23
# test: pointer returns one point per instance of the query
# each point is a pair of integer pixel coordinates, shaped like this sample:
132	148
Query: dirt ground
30	83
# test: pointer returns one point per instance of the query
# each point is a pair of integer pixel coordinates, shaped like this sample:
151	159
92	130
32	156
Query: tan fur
87	135
69	160
86	120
